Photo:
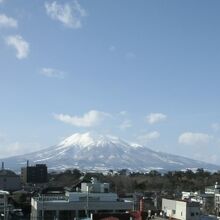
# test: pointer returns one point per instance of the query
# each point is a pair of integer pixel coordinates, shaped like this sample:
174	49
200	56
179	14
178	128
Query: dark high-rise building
34	174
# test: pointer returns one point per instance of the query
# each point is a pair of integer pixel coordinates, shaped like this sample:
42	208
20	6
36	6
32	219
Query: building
181	210
148	201
9	180
95	186
213	189
4	208
215	192
34	174
206	201
217	204
74	205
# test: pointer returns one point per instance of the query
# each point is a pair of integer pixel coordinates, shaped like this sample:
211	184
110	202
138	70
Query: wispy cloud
112	48
69	14
10	147
21	46
130	55
154	118
18	148
2	137
215	126
52	73
123	113
148	137
89	119
189	138
7	22
125	124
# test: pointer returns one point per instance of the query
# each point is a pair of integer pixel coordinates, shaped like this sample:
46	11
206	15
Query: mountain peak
90	139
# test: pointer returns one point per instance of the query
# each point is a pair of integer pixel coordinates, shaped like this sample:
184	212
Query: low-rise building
206	201
213	189
9	180
78	204
181	210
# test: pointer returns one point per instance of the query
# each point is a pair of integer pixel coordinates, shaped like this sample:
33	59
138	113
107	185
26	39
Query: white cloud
145	138
155	118
7	21
215	126
68	14
89	119
125	124
19	44
189	138
52	73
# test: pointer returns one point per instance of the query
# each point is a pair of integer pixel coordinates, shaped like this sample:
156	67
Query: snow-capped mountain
90	151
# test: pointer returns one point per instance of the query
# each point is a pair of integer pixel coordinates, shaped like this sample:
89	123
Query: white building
181	210
4	204
77	204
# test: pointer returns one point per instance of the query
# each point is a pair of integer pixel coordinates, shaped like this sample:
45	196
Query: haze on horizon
146	71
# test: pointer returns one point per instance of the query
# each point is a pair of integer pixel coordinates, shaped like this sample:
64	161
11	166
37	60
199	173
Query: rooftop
4	172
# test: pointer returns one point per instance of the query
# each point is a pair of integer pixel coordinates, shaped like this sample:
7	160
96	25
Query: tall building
34	174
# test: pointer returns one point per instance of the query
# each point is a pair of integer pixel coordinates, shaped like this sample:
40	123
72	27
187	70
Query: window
192	213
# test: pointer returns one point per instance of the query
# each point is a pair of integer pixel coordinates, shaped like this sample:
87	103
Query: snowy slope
90	151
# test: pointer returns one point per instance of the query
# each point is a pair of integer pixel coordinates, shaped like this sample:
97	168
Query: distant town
35	193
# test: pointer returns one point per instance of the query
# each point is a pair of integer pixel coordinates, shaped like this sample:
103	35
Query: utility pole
5	207
42	206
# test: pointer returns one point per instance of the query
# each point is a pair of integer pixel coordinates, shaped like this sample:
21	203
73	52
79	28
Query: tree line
129	182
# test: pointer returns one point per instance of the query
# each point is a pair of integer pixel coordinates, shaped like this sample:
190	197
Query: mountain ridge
95	152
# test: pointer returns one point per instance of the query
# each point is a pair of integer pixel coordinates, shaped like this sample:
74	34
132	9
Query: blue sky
146	71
